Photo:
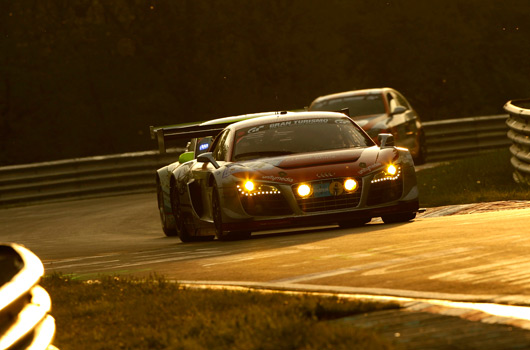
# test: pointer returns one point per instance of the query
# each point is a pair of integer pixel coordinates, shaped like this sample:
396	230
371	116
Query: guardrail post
519	133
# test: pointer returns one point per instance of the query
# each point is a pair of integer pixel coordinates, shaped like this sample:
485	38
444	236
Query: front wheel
221	234
396	218
185	233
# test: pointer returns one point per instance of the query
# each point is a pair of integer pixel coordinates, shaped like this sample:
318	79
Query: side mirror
186	157
398	110
208	158
385	140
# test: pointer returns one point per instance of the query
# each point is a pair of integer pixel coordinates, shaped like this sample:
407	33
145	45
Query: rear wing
190	131
186	132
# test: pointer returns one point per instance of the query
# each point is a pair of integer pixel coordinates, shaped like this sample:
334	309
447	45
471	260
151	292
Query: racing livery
286	170
382	110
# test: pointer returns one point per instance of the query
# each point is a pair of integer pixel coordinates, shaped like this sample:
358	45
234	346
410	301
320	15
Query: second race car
382	110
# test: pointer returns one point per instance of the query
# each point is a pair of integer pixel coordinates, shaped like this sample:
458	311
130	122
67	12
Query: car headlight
391	170
389	173
304	190
350	185
251	188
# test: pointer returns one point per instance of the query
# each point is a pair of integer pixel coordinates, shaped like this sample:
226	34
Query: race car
381	110
288	170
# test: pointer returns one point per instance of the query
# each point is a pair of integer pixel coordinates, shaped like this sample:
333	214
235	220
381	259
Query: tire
354	223
396	218
221	234
185	233
164	219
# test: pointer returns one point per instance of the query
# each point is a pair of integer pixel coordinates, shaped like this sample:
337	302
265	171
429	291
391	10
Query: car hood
315	166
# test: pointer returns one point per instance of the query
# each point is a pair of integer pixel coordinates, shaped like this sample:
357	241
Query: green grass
118	313
483	178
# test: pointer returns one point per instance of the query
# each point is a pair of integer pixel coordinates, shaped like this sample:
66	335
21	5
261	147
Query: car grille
266	205
385	191
316	204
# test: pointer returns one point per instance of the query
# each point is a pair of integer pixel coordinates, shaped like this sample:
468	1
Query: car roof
286	117
343	94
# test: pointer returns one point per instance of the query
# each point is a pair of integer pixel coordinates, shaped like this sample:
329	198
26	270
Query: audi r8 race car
382	110
288	170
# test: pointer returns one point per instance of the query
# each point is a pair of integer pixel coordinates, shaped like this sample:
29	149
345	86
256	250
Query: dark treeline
88	77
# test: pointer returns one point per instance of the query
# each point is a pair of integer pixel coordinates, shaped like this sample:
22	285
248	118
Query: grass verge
483	178
124	313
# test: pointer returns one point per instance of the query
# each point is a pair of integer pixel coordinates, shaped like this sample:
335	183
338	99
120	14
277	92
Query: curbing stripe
478	308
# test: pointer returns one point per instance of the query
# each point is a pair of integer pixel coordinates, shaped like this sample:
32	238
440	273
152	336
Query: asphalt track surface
476	254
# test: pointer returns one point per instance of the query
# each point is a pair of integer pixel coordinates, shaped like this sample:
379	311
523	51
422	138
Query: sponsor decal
255	129
277	178
280	125
286	123
370	168
336	188
311	121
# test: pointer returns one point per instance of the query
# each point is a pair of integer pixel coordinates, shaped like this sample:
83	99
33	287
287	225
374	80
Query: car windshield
358	105
297	136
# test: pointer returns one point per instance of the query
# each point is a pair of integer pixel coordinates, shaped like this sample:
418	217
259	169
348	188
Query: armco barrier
25	322
519	134
83	177
135	172
454	138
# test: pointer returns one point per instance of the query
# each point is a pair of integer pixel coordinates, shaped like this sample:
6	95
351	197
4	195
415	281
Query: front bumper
320	219
374	199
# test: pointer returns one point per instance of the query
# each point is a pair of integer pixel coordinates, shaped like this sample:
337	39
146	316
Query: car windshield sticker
278	125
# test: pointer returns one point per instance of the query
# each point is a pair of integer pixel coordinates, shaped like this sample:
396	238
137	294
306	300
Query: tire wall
519	134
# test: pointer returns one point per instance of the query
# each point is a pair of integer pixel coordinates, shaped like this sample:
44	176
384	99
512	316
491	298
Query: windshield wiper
261	154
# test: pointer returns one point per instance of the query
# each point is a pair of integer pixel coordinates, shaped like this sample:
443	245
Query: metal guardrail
456	138
519	134
25	322
82	177
135	172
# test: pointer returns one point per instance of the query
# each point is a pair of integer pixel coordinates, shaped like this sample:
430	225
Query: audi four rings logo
321	175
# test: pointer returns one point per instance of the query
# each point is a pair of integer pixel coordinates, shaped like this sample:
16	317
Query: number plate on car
326	189
321	190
